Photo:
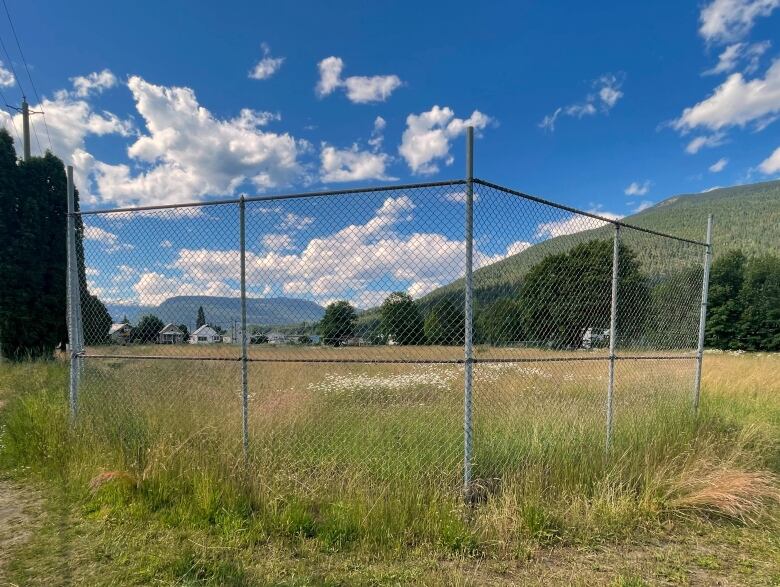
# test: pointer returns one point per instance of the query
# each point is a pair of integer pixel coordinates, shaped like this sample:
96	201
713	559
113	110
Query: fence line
624	325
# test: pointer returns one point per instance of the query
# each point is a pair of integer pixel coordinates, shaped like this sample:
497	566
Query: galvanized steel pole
72	296
703	315
244	350
468	444
26	128
613	334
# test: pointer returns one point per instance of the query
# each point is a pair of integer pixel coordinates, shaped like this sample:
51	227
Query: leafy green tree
759	327
445	323
725	302
501	322
149	326
185	331
201	319
566	294
673	315
401	320
338	323
258	339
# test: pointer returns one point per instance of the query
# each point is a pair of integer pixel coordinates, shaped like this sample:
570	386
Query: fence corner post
702	315
244	350
72	297
613	336
468	375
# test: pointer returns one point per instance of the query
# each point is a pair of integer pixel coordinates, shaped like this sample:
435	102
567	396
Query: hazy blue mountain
223	310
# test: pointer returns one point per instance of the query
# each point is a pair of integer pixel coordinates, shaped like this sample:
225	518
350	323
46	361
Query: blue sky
607	106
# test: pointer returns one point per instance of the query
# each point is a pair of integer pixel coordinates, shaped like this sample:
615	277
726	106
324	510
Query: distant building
205	335
170	334
276	338
120	333
595	338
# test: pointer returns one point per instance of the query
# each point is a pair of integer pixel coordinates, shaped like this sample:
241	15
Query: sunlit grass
370	456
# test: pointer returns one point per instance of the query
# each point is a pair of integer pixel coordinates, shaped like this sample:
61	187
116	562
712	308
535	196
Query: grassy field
354	472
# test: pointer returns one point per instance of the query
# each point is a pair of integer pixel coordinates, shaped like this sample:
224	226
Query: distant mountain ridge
223	311
746	217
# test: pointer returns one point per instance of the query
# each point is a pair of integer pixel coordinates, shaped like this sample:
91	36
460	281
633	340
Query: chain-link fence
440	333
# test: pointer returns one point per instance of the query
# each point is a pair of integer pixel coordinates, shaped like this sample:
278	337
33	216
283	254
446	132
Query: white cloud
735	53
724	21
267	66
606	94
772	163
7	78
359	89
109	240
154	288
352	164
277	242
96	82
166	244
719	165
700	142
377	135
359	262
428	134
643	205
573	224
736	102
189	153
637	189
517	247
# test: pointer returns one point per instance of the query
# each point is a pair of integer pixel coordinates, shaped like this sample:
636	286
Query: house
120	333
595	338
170	334
276	338
205	335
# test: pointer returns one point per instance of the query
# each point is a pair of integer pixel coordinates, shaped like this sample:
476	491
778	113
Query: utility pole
26	127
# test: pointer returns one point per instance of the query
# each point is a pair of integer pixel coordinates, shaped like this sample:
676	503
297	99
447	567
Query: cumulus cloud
637	189
338	165
734	54
109	240
359	89
771	164
643	205
7	78
573	224
700	142
267	66
428	134
358	262
93	83
723	21
719	165
606	93
377	135
736	102
188	153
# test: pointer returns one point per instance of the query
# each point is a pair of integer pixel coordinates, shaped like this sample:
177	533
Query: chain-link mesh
355	331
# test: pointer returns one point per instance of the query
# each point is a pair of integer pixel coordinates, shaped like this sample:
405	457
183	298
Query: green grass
362	464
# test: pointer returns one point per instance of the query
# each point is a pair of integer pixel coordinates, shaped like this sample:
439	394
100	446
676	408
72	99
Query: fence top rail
272	197
525	196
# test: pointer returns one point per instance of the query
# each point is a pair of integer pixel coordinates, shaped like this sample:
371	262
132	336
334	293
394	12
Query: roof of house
117	327
204	330
171	329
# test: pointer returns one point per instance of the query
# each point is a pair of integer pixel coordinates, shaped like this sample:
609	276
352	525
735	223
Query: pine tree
201	319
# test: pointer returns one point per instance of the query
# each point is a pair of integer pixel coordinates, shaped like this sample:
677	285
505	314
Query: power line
10	116
32	83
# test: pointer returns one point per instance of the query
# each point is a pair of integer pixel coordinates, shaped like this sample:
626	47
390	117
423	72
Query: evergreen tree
445	323
201	319
759	326
185	331
338	323
401	319
149	326
725	302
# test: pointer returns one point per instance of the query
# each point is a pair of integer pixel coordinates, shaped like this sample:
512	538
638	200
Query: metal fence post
73	296
703	315
613	335
468	374
244	351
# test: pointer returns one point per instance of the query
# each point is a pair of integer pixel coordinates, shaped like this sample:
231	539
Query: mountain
223	311
746	217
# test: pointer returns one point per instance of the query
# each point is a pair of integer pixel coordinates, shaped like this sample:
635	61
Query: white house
276	338
170	334
595	337
205	335
120	333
